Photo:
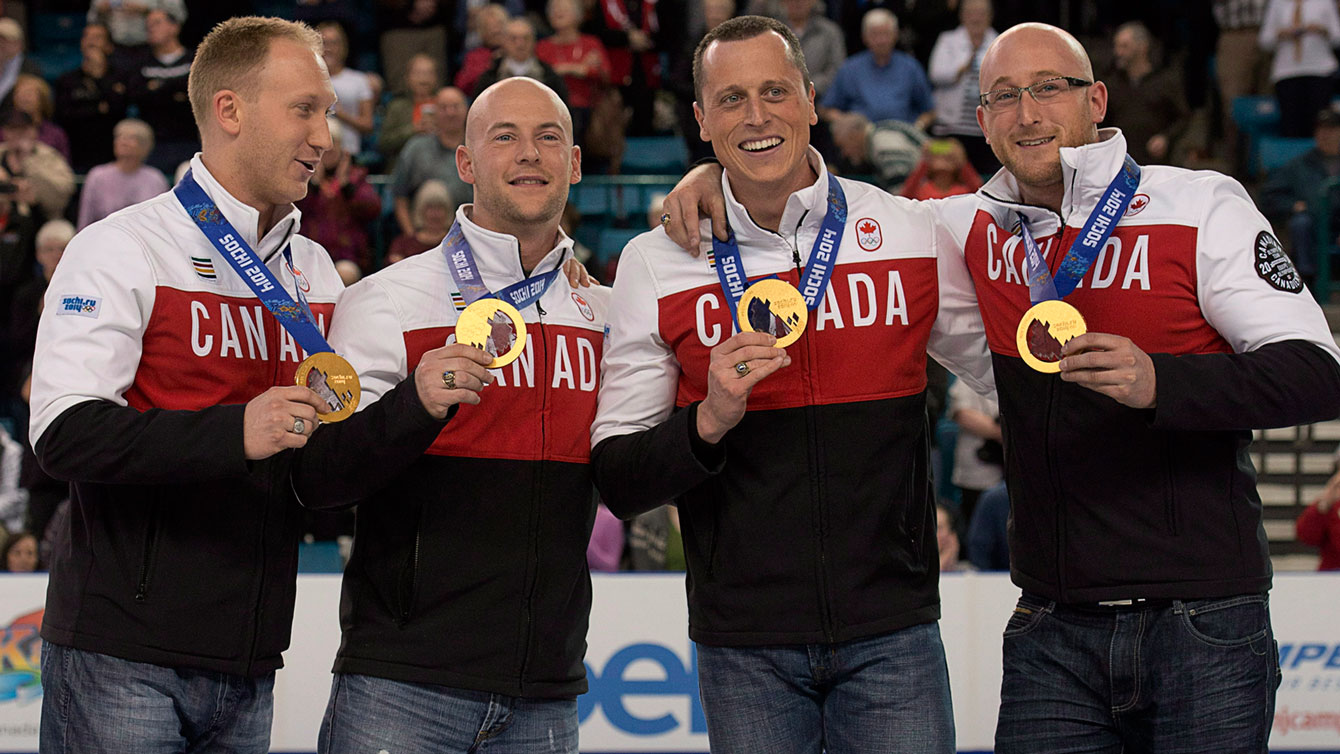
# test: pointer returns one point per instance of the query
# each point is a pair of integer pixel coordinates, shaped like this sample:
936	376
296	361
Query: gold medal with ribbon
1042	332
332	378
774	307
495	326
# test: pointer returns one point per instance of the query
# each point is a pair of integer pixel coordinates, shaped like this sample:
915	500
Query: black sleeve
99	441
347	461
640	471
1281	384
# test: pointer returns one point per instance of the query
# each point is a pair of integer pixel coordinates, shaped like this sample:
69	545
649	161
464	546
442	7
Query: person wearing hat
12	60
1290	197
157	86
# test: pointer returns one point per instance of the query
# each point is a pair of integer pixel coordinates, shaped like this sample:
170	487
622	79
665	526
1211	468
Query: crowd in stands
94	117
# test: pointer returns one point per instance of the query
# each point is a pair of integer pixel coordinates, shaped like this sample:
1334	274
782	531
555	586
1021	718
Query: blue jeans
1192	676
367	715
97	704
885	694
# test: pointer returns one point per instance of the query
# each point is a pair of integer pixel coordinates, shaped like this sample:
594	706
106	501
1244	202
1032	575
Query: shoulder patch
1273	266
868	234
80	306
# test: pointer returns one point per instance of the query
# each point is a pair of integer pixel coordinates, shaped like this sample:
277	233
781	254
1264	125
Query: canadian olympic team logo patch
1138	204
1273	266
584	308
868	235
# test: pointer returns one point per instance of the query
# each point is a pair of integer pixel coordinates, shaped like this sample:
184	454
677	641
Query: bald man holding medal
465	601
795	448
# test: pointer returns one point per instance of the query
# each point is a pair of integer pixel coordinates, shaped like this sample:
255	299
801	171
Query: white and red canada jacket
819	525
182	552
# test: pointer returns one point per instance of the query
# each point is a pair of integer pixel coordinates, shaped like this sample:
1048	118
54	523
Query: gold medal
774	307
494	326
1043	330
328	375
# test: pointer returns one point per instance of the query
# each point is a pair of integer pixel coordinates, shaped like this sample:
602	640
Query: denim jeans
367	715
880	695
97	704
1194	676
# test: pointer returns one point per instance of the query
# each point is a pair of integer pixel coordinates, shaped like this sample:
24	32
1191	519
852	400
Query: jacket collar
244	218
804	208
499	255
1086	173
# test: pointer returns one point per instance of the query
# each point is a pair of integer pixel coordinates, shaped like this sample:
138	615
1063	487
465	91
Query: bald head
499	102
1051	43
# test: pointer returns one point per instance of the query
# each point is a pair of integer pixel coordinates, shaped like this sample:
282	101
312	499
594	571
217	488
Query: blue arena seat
655	154
1274	151
612	241
56	28
1256	117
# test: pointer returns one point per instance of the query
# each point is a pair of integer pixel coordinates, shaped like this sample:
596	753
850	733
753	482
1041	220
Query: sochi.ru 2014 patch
1273	266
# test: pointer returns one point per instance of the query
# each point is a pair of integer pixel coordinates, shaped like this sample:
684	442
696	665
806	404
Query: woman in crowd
124	181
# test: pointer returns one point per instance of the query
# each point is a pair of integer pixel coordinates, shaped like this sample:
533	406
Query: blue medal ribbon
1086	247
818	270
295	316
461	263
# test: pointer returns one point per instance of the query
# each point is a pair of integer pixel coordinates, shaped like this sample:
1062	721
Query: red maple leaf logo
867	227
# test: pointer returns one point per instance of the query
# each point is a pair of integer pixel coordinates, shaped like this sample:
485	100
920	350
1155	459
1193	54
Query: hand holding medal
449	375
737	365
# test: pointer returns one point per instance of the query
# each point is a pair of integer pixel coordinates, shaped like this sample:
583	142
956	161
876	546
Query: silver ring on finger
449	380
299	426
742	368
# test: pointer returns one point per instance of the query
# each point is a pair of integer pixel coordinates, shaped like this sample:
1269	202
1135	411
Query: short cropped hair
56	231
747	27
231	56
137	128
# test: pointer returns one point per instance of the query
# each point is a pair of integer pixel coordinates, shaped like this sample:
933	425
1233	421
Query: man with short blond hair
163	390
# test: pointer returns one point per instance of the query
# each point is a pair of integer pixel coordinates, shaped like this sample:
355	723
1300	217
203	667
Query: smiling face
282	132
519	156
756	110
1027	137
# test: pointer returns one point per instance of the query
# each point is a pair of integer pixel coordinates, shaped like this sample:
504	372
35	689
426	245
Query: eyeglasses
998	100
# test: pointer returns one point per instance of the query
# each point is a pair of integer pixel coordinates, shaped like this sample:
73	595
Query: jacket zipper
534	565
406	606
260	592
811	436
146	565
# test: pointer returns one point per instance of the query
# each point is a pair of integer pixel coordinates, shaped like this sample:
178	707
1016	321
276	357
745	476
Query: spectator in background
12	60
124	181
52	238
955	60
579	58
44	180
1301	33
821	40
410	113
891	149
979	457
21	553
16	254
338	207
432	157
605	549
943	171
410	28
881	83
1291	194
988	532
1148	105
127	20
488	23
434	209
13	497
518	58
90	100
356	91
680	81
1238	63
1319	525
157	87
633	34
32	95
946	538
